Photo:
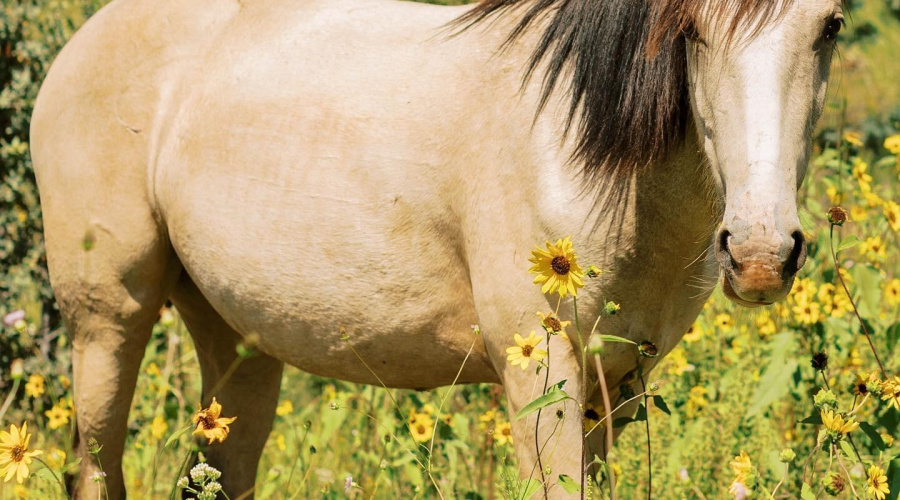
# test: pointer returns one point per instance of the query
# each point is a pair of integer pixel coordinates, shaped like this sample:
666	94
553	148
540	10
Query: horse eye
833	28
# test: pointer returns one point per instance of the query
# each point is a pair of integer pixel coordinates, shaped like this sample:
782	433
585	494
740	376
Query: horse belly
300	254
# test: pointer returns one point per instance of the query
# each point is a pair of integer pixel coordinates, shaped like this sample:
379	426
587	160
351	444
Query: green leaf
848	242
806	492
893	334
868	283
778	376
847	449
775	383
660	403
569	484
552	397
873	435
813	419
616	338
174	437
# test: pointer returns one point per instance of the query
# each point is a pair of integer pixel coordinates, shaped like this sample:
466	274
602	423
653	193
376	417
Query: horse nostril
725	248
797	257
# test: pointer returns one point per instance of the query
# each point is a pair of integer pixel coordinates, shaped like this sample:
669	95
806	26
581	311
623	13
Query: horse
289	170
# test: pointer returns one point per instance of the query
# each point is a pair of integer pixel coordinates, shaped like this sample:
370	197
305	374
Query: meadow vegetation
800	399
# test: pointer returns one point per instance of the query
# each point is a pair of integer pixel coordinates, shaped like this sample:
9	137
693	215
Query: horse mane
626	66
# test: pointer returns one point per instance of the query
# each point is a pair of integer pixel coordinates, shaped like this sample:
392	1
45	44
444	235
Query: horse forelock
625	64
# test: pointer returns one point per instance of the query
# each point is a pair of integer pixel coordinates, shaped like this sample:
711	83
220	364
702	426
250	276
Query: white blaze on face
760	180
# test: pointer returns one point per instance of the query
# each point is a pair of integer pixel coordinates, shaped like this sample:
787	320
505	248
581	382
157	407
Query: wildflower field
797	400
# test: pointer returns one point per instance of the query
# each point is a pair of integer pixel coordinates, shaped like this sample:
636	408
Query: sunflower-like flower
525	350
14	455
878	482
836	424
890	392
557	268
421	425
553	325
210	424
503	434
742	467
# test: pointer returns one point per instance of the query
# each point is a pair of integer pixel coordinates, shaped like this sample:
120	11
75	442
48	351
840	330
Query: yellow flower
834	196
280	442
742	466
873	248
14	455
65	382
210	425
858	213
724	321
285	408
892	292
557	269
892	144
878	486
834	300
808	313
835	423
58	417
892	214
525	351
486	418
20	491
853	138
554	325
158	427
56	458
860	169
421	425
764	324
678	363
694	333
591	417
697	400
890	392
35	386
803	290
503	434
153	370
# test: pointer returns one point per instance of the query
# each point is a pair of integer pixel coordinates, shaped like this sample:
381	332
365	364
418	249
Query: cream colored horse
285	168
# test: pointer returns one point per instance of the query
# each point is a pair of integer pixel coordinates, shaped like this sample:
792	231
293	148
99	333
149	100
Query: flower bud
837	216
648	349
595	345
787	456
819	361
825	400
17	369
611	308
834	484
593	271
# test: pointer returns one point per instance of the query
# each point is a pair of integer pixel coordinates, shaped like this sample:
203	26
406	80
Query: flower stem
62	485
647	425
862	323
537	423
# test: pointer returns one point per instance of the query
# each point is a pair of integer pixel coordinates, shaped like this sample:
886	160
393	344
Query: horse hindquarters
111	273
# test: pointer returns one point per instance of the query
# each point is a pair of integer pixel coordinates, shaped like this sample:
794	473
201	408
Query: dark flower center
526	350
18	453
591	414
553	323
420	429
506	431
560	265
862	388
207	421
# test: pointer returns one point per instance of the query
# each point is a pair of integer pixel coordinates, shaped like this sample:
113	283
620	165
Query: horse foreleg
249	392
550	448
